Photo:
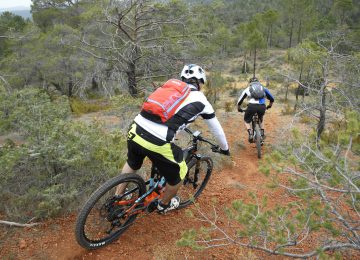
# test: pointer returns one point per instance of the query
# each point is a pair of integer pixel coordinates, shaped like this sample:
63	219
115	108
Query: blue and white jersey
246	93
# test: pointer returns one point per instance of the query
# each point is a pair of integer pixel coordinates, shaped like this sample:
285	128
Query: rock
22	244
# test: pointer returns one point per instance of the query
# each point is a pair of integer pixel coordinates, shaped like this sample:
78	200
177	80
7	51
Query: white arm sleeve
218	132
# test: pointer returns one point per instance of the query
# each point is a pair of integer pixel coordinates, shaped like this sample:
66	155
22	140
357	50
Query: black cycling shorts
167	157
252	109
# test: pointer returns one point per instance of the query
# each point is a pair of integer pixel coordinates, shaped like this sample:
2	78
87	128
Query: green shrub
61	161
230	79
287	109
229	106
305	119
234	92
126	108
79	107
30	109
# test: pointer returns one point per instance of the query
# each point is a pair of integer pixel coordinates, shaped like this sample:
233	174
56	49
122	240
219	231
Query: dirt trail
154	236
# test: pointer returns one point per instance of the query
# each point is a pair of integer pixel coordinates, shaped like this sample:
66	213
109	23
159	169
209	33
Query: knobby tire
80	232
258	140
188	192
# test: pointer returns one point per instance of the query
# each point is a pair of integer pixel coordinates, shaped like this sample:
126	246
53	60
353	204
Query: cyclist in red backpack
152	135
256	94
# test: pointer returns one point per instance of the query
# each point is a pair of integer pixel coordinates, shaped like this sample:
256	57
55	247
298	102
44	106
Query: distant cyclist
256	93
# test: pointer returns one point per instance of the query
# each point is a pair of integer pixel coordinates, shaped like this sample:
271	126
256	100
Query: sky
14	3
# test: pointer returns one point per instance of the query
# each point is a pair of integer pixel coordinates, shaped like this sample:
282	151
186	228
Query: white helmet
193	71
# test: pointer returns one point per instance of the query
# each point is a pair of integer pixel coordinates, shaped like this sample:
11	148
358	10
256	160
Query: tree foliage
9	24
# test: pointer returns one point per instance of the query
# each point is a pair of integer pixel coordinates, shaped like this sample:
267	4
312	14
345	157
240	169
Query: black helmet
254	79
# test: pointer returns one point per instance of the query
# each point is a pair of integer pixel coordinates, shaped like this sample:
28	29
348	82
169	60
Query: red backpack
161	105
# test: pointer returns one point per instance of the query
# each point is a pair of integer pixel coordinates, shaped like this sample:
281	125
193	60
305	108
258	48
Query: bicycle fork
196	174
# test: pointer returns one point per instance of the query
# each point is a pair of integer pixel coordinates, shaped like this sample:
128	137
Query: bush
126	107
305	119
61	161
234	92
230	79
30	110
287	109
79	107
229	106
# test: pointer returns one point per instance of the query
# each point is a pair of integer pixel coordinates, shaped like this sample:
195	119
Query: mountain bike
105	216
257	138
256	132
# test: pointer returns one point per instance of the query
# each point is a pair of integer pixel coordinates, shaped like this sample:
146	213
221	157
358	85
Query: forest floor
154	236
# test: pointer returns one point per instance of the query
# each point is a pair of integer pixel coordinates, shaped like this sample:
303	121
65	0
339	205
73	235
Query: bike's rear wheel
258	140
199	172
102	219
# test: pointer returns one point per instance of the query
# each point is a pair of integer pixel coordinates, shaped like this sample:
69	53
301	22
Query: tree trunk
291	32
299	31
244	68
307	80
322	117
299	86
254	62
94	84
132	80
70	88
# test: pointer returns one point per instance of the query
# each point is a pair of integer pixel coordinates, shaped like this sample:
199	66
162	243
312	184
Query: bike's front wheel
105	216
198	175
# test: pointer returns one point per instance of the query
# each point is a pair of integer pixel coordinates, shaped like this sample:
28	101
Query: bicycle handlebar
196	135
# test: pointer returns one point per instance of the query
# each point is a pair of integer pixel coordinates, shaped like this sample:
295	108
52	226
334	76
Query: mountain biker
154	140
256	105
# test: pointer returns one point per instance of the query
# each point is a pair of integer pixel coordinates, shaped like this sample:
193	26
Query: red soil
154	236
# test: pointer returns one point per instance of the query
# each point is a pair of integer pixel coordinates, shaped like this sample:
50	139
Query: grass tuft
79	107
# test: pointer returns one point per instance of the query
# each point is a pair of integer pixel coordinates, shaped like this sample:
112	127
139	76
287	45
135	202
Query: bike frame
155	180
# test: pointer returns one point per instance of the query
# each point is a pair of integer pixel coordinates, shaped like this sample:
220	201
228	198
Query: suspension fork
194	160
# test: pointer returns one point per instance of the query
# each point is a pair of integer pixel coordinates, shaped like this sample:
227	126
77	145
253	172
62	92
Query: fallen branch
17	224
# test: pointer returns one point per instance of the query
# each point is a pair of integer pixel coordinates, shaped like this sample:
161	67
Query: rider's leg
250	132
121	187
261	114
248	126
127	169
262	128
135	159
172	166
170	192
247	119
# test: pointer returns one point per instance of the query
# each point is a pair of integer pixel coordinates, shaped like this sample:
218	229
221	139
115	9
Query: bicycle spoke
195	181
108	215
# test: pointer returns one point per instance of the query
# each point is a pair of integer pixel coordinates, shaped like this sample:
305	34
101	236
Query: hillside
21	11
155	236
75	75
